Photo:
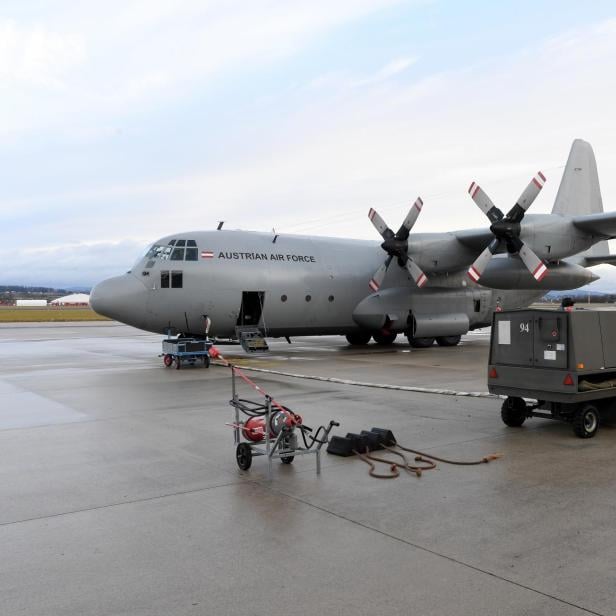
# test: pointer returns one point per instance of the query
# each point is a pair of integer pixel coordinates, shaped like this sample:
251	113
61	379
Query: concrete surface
119	491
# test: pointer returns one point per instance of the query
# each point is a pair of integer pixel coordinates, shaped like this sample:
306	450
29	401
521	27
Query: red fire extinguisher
254	428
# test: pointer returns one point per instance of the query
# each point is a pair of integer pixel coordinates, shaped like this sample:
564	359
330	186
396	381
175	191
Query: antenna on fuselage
220	224
275	236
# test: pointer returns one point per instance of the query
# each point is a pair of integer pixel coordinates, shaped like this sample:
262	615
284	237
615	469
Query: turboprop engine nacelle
505	272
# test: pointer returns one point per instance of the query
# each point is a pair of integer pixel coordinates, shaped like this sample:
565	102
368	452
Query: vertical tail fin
579	191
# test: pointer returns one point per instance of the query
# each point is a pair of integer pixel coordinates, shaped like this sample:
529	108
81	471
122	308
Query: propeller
396	246
506	229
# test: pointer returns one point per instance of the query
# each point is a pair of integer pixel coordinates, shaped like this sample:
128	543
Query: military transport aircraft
431	286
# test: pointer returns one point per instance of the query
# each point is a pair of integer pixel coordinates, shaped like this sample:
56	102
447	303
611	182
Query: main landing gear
363	338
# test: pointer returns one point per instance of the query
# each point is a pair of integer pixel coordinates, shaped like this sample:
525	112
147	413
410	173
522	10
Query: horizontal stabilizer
598	260
601	225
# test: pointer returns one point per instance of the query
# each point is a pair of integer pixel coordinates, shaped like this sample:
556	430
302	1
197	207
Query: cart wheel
178	363
206	361
287	459
586	421
243	455
167	360
513	412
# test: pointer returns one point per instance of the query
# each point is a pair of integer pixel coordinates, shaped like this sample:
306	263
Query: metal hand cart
191	350
271	430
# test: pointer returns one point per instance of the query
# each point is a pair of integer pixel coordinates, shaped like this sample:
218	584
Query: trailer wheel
243	455
586	421
287	459
448	341
167	360
513	412
206	361
178	363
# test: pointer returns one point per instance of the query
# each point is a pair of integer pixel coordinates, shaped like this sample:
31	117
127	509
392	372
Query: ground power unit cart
563	359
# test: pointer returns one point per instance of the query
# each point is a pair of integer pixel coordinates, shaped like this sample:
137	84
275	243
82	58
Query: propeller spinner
396	246
506	229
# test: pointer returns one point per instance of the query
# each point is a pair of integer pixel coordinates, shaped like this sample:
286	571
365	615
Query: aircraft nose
121	298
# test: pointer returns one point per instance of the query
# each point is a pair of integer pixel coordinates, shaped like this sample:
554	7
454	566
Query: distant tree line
10	293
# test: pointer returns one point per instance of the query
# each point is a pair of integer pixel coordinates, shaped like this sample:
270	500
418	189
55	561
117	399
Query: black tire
420	343
243	456
178	363
287	459
385	339
448	341
586	421
206	361
513	412
358	338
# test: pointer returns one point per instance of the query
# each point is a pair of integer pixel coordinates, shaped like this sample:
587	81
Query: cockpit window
177	254
175	250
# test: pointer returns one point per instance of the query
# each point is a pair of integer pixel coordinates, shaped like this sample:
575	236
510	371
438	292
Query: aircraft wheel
385	339
513	412
358	338
243	456
167	360
420	343
586	421
448	341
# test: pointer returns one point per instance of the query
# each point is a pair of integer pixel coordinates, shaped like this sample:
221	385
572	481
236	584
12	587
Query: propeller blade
416	274
533	263
380	224
516	213
377	280
409	221
481	262
484	202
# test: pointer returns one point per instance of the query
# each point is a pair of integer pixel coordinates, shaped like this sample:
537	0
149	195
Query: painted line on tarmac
329	379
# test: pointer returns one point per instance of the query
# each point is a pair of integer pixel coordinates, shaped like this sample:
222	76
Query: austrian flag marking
207	254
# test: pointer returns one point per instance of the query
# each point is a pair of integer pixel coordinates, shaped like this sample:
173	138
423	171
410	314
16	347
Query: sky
124	121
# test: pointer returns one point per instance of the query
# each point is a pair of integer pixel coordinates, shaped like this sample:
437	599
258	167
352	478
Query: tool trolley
563	359
191	350
266	428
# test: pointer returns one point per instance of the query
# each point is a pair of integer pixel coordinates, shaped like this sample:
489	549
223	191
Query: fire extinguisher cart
271	430
563	359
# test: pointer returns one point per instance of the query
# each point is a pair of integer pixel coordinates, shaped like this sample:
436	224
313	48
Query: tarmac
120	492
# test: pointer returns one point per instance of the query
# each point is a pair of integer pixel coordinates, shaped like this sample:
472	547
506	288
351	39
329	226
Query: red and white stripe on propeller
379	223
476	270
534	264
377	280
416	273
411	217
484	202
530	192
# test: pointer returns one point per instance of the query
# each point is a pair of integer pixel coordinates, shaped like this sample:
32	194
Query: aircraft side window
308	298
283	298
177	254
164	280
192	254
330	298
176	280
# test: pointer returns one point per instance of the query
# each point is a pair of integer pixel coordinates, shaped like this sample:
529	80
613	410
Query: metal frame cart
178	350
271	430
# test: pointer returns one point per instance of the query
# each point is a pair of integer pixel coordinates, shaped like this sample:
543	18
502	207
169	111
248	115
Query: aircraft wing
603	224
475	239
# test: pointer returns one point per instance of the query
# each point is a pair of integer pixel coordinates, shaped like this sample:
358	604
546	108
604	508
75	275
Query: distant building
31	302
75	299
